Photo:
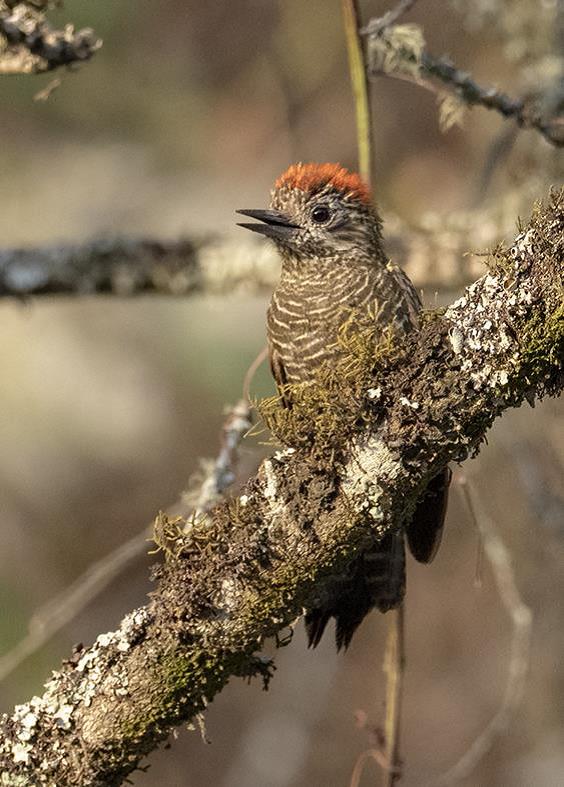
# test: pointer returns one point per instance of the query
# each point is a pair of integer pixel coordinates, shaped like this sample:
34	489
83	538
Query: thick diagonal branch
252	564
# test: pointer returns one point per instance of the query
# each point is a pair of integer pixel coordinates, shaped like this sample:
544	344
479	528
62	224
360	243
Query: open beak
276	225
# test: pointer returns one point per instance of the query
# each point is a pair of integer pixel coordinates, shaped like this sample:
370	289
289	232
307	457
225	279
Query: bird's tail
377	579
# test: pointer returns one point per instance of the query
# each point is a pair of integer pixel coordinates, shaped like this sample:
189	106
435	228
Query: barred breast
306	313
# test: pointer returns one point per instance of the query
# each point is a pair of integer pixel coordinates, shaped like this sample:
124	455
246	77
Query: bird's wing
425	530
279	373
410	301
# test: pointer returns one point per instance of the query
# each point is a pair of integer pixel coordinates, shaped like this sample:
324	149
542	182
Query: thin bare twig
521	619
370	754
497	154
222	472
45	93
395	656
394	667
65	606
376	26
251	371
359	82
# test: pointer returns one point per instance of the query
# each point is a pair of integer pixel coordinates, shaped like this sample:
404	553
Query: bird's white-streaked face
318	211
326	221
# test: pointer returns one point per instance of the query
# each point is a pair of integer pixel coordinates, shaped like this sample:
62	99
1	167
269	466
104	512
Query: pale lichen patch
370	459
62	717
226	599
456	338
481	332
284	454
407	403
271	486
20	752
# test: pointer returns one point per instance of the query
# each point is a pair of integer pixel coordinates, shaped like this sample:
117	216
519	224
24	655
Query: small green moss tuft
323	413
168	535
499	263
543	349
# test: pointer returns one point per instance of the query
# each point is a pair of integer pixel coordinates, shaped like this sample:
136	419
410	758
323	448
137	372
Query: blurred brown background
188	112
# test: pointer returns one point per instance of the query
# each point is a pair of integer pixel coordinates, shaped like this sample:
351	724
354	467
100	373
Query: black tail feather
377	580
315	622
425	530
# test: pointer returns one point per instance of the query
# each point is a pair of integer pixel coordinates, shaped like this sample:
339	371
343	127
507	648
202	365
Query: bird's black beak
276	225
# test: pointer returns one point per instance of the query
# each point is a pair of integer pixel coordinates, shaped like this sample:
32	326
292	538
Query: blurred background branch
399	52
29	45
521	618
204	492
218	266
131	267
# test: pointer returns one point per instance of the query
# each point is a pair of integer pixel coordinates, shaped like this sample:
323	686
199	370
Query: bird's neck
320	271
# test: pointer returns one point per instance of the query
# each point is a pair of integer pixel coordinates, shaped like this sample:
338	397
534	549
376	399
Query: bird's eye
321	214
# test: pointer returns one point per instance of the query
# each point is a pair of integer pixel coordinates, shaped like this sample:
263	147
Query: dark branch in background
29	45
523	111
129	266
248	568
398	52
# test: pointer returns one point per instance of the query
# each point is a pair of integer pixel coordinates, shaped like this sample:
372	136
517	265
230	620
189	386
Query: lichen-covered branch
400	52
526	113
127	266
29	45
249	567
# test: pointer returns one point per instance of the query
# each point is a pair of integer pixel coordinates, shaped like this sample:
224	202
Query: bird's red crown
311	177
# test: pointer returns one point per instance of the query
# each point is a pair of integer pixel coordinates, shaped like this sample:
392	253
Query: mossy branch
249	567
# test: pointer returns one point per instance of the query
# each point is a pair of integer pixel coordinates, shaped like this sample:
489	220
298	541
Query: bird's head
318	210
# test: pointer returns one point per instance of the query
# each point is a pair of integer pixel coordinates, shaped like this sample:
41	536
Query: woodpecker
329	236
